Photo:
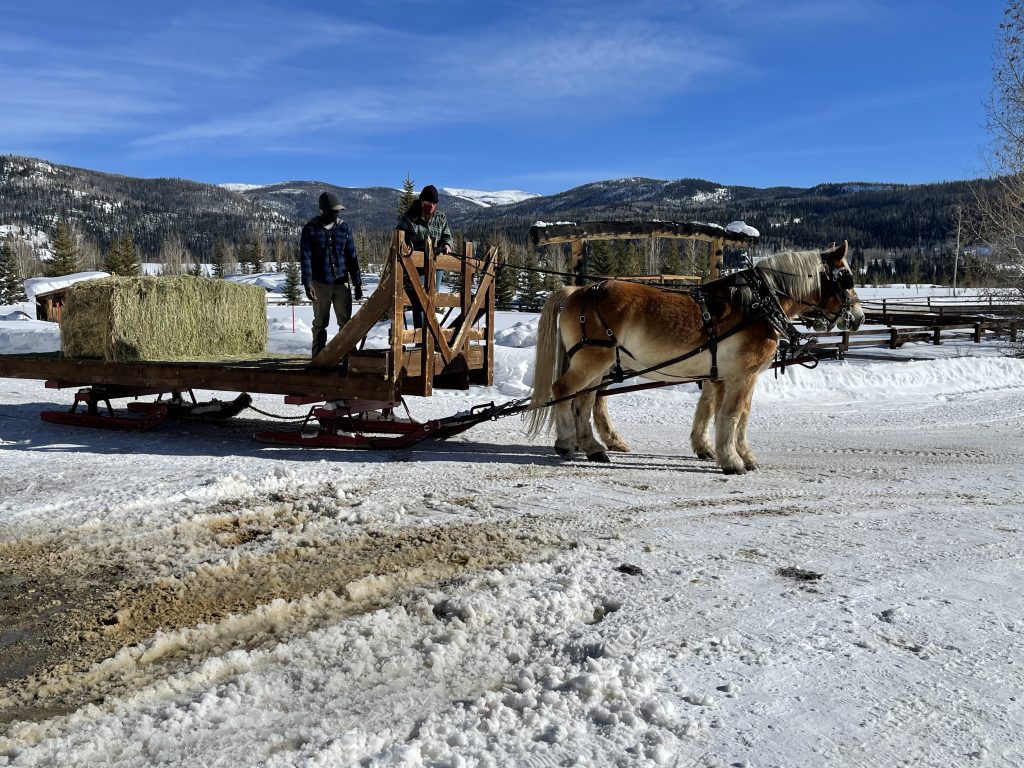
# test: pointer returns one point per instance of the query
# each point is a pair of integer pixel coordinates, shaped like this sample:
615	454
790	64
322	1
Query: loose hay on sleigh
182	317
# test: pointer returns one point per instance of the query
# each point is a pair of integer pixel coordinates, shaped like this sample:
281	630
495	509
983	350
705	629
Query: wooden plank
551	234
270	377
447	262
447	300
660	278
397	304
478	302
715	260
466	279
490	302
430	318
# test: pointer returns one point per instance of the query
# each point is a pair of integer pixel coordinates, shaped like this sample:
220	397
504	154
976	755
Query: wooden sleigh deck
415	363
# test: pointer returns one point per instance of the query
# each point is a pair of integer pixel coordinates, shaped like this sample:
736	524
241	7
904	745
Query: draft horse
723	333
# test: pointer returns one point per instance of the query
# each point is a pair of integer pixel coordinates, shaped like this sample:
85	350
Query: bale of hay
163	318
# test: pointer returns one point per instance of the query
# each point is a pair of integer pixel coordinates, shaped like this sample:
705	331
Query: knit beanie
429	194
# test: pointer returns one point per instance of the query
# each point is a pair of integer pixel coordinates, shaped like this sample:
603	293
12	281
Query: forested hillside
895	231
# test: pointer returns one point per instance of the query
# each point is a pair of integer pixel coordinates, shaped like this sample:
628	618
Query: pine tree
112	258
630	258
122	258
256	254
551	280
218	259
65	252
672	265
506	277
408	195
11	288
531	288
600	261
292	278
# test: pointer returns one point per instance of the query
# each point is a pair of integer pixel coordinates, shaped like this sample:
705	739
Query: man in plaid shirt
421	221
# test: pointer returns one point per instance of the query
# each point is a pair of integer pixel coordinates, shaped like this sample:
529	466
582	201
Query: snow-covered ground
191	597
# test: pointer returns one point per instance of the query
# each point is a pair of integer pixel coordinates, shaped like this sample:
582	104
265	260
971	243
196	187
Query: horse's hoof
599	456
750	466
565	453
734	470
618	447
705	455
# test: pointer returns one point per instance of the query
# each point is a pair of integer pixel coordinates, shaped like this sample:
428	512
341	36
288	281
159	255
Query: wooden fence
940	309
894	337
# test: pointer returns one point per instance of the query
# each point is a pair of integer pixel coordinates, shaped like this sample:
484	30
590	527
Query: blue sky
537	95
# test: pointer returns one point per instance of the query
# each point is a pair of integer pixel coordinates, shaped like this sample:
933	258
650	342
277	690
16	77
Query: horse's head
838	303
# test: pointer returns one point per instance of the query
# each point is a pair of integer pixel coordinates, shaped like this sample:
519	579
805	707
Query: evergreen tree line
523	281
868	219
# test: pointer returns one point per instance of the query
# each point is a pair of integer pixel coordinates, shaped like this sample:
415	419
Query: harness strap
709	329
589	298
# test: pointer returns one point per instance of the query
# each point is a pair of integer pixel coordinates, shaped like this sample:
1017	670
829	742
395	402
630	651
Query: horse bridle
819	319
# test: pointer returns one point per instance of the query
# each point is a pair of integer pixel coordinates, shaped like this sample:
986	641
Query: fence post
1013	332
977	333
844	344
893	333
937	335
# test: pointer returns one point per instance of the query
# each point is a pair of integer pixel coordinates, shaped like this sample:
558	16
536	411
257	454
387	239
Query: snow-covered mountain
242	187
487	199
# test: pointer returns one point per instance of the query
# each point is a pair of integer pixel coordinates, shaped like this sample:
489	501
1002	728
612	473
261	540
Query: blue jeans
418	315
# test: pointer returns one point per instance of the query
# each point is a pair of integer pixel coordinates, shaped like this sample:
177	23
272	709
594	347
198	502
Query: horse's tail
548	361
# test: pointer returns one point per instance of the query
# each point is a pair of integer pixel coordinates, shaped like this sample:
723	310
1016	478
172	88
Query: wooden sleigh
351	406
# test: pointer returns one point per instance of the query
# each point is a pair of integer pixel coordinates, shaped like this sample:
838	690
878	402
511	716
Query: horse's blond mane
794	273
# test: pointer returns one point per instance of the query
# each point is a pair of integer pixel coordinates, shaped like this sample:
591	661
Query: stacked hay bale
163	318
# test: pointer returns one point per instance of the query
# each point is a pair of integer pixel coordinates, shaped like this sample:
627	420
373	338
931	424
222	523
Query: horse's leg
572	417
700	433
742	446
609	436
735	398
583	411
565	427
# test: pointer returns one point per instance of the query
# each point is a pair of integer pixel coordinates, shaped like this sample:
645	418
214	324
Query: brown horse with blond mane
723	333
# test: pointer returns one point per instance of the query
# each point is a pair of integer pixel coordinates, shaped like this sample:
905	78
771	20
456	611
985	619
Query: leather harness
766	306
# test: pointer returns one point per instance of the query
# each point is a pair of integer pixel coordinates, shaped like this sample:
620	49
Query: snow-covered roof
38	285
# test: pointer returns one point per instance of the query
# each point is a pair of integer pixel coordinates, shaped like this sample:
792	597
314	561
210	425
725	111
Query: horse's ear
835	254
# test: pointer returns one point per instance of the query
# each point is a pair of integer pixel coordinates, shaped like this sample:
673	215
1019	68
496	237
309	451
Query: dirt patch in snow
80	626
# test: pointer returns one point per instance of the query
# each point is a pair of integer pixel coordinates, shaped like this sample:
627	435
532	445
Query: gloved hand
357	291
309	292
445	249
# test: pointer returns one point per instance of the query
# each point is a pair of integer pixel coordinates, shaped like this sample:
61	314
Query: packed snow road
190	597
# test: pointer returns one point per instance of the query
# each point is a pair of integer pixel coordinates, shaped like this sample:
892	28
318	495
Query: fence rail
894	337
941	307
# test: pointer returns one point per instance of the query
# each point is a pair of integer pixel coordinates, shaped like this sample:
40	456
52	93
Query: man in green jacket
423	220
